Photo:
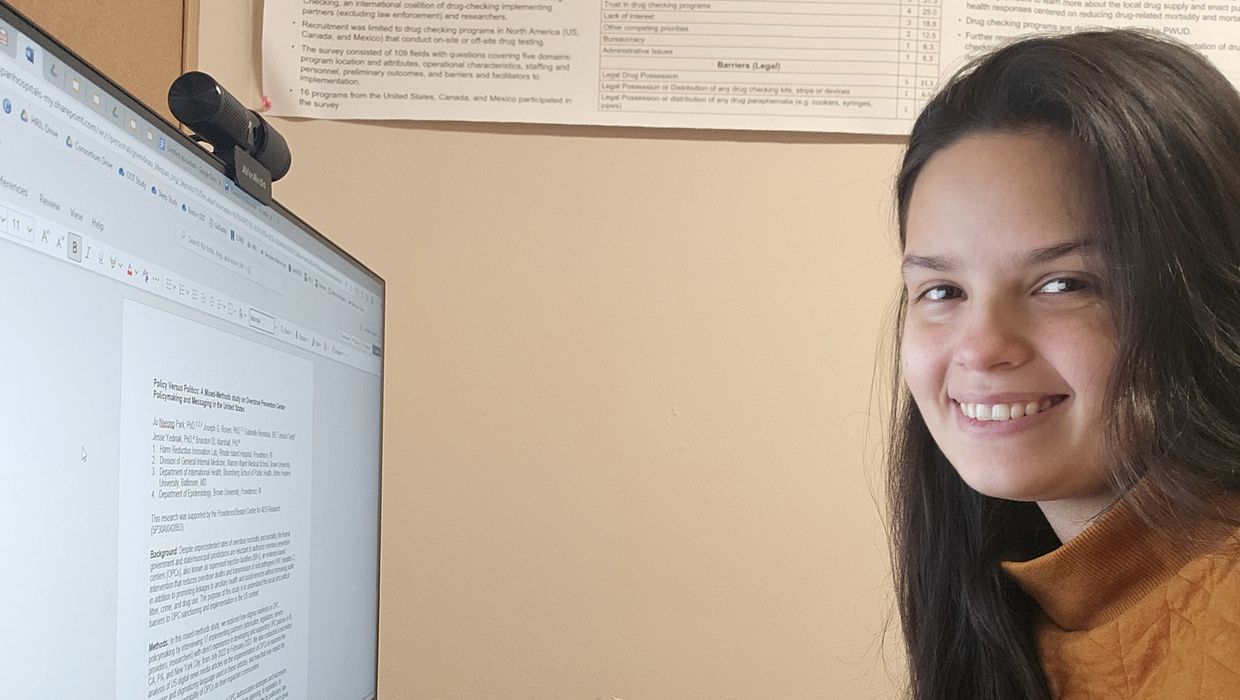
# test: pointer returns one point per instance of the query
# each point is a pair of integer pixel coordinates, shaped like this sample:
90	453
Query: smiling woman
1007	342
1065	456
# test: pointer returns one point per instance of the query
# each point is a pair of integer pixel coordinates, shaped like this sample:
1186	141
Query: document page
213	590
800	65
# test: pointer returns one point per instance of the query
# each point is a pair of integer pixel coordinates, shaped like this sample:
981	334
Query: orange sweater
1128	614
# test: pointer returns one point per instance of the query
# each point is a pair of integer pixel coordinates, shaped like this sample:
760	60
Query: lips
1008	410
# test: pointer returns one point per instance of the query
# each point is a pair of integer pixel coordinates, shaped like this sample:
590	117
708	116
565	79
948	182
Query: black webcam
254	153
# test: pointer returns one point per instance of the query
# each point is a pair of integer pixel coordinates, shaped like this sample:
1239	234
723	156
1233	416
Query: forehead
994	196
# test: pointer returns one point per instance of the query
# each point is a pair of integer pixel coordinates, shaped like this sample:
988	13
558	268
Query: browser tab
75	85
114	111
8	41
96	100
54	72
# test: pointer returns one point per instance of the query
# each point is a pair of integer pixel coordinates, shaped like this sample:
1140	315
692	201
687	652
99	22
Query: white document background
214	517
865	66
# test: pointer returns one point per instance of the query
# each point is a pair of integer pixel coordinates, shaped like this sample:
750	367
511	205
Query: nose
993	337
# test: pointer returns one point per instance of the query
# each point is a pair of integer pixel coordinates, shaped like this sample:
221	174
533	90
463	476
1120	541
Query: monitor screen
190	393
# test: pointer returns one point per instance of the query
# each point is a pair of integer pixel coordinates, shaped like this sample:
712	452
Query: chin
1009	483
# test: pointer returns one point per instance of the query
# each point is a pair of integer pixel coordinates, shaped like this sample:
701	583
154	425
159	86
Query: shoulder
1207	589
1180	639
1202	616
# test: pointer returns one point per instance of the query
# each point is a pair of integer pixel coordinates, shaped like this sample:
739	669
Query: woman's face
1008	344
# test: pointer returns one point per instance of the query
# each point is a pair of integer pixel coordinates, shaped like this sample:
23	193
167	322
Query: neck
1070	516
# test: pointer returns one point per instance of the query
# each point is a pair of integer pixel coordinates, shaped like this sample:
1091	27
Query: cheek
923	363
1088	358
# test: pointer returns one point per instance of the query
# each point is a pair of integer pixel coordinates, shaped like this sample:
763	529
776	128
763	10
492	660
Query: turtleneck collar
1096	576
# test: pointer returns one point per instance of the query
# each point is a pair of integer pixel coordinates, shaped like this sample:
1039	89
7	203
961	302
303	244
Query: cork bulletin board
136	43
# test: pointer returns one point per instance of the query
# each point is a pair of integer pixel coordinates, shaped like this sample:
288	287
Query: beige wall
628	389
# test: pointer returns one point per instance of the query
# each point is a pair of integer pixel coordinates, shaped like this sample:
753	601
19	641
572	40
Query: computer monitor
190	409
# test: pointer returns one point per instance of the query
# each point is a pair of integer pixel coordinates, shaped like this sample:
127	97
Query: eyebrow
937	263
1054	252
1037	256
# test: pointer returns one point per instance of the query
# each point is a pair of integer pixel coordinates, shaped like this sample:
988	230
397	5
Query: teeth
1003	411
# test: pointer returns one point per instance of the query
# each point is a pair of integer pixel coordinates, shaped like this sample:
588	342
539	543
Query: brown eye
1060	285
942	292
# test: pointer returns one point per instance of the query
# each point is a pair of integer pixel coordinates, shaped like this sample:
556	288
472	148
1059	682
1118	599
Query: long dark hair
1157	130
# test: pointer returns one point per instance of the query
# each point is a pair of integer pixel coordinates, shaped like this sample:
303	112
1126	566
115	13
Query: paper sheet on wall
866	66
